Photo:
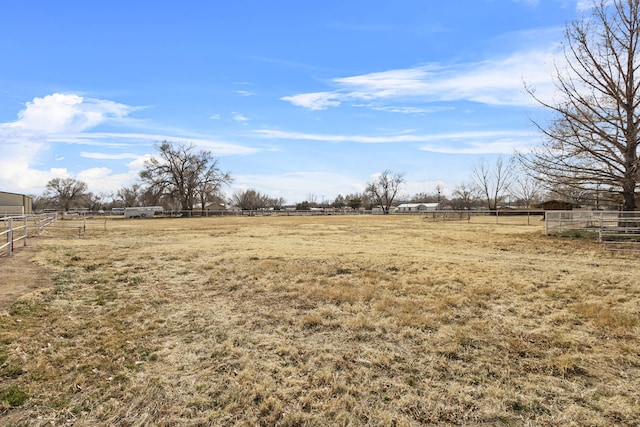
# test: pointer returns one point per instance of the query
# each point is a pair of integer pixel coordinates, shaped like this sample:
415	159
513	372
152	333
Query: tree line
182	178
588	155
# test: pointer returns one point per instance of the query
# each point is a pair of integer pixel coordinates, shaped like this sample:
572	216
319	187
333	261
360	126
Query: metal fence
616	230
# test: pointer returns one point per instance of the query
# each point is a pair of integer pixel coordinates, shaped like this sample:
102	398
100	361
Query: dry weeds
324	321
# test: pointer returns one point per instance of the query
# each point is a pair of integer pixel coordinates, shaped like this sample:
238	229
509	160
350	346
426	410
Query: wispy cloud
240	117
479	142
105	156
493	82
317	100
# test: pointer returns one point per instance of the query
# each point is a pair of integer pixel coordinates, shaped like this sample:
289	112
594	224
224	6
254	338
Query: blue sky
295	98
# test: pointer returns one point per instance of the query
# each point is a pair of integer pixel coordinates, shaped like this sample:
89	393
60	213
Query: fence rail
18	229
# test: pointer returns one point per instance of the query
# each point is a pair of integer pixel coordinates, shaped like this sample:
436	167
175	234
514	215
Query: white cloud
314	101
104	156
103	180
67	113
500	146
494	82
478	142
240	117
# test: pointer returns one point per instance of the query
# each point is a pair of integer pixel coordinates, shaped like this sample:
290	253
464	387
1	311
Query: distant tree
186	175
155	196
65	193
354	201
527	190
43	202
339	202
130	196
436	197
384	188
209	188
303	206
95	202
493	183
312	199
422	197
464	195
276	203
249	200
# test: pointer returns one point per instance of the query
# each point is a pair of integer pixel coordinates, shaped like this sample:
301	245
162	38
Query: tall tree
384	189
493	183
183	173
67	192
593	141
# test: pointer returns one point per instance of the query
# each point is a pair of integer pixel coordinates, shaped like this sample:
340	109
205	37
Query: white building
418	207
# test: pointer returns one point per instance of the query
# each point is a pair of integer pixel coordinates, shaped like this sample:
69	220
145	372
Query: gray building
15	204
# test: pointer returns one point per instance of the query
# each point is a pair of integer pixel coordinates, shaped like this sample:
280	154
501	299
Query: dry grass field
336	320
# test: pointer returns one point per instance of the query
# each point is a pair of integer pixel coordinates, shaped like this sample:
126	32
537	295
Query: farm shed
418	207
15	204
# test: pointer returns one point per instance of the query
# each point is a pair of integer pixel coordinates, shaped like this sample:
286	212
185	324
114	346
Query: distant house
15	204
216	207
418	207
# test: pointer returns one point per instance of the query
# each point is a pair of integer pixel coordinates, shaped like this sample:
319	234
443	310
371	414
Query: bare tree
526	189
493	183
356	201
181	172
384	188
67	192
276	203
130	196
250	200
465	195
593	141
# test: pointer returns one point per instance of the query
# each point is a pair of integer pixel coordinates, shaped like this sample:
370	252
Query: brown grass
324	321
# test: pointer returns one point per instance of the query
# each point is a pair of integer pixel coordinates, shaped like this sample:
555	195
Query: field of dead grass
355	320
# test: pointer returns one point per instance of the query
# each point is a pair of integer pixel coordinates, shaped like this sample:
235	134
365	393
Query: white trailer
142	212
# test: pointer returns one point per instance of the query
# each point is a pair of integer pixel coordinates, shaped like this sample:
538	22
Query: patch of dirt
19	275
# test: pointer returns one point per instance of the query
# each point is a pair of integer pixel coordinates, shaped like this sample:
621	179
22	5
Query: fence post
546	223
26	231
10	237
600	229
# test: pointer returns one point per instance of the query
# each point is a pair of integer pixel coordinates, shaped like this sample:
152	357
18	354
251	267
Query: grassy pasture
354	320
